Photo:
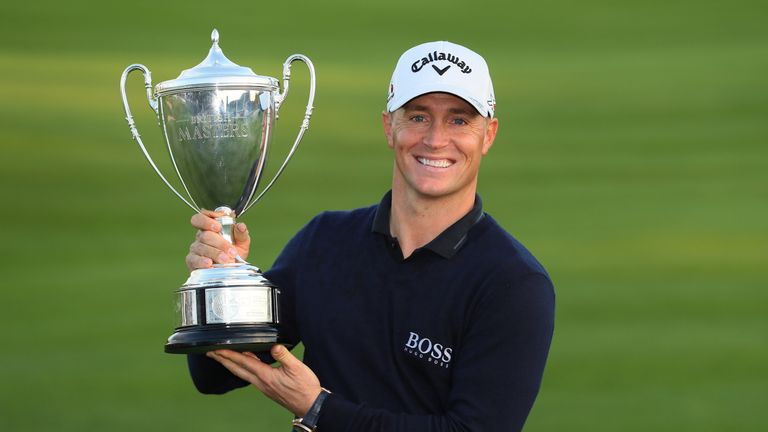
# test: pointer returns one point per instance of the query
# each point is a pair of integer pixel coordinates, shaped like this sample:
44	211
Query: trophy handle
134	132
279	99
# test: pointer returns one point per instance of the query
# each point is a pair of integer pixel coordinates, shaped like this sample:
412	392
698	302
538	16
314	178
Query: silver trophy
217	119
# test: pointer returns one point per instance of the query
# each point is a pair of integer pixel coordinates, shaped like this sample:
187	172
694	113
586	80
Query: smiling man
417	314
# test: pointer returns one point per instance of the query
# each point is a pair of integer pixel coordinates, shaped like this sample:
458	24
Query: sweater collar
448	242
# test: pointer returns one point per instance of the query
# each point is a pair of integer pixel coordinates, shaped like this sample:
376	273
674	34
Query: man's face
438	140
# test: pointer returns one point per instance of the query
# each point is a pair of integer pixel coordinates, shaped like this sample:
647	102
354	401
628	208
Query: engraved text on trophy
212	126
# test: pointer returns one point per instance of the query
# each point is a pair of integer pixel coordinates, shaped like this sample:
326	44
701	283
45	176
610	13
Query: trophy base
229	306
199	340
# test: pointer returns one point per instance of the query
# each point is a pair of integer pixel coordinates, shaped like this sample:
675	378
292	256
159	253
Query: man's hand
292	384
210	247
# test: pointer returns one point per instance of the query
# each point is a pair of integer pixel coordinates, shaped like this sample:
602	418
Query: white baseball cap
442	67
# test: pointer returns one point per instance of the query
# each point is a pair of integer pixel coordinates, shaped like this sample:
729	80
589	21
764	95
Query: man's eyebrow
466	111
410	107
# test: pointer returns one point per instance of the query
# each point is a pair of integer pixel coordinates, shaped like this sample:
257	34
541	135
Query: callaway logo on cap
442	67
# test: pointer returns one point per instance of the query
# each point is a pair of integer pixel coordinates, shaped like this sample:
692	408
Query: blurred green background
631	159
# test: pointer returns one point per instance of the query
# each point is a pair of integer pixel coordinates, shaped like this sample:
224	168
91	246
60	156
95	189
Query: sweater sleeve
208	375
496	376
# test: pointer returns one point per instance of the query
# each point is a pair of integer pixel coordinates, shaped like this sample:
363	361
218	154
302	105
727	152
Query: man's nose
437	136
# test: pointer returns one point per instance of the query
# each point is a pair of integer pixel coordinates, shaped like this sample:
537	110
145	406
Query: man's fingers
236	368
210	245
216	241
252	365
205	222
213	253
195	261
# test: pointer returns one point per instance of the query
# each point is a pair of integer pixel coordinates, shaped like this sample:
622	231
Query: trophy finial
215	68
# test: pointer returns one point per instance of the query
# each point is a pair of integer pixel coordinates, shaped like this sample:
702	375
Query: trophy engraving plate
238	305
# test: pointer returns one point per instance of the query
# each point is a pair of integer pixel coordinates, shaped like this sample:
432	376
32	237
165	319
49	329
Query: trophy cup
217	119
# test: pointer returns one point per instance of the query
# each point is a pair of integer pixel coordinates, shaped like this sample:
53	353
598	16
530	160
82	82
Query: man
420	313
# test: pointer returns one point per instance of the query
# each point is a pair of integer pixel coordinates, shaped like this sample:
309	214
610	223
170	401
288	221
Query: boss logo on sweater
429	350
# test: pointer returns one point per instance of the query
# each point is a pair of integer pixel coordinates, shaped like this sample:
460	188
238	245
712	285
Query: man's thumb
281	354
241	236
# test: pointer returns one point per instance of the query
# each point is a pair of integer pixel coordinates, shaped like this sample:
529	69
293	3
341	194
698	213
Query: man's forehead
452	102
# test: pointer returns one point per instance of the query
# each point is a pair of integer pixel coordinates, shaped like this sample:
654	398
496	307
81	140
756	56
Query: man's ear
490	134
386	121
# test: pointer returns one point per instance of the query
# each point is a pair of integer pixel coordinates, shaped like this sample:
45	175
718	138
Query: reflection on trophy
217	119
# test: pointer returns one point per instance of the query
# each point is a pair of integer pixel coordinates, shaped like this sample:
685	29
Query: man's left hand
292	384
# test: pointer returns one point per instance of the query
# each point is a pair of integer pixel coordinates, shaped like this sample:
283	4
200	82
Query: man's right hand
210	247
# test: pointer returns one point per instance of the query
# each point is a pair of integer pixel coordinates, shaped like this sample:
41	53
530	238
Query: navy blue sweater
453	338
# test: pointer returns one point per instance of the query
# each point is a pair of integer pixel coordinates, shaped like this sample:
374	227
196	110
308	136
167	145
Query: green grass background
631	159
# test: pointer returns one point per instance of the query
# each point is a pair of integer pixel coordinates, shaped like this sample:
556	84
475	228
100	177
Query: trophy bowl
217	119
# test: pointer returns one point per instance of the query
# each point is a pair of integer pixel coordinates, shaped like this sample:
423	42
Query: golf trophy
217	119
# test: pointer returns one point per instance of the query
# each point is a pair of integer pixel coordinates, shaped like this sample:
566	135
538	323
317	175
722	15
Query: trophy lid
216	71
231	275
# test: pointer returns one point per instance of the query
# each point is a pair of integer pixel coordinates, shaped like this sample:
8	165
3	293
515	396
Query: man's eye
459	121
418	118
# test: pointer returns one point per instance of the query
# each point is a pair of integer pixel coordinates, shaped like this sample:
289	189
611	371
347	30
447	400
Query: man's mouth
437	163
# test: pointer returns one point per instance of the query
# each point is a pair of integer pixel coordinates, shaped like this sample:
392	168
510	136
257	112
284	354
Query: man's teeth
439	163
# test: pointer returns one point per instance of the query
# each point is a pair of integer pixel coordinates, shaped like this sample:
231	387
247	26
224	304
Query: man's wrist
308	423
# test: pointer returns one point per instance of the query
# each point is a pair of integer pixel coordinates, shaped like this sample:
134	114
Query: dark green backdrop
631	159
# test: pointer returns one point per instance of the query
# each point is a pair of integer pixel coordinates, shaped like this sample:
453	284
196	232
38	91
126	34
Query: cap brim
398	101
